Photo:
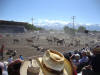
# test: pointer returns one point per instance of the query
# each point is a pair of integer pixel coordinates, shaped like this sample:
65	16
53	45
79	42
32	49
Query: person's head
83	53
30	59
77	56
5	62
17	65
70	54
66	55
10	56
20	55
14	67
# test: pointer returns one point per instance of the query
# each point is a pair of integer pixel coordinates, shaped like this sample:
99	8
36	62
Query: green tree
66	29
81	29
69	30
32	27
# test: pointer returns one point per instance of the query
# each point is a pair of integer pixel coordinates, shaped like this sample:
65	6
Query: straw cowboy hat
89	53
52	63
96	50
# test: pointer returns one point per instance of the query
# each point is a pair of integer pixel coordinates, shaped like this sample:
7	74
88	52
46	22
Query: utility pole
32	20
73	18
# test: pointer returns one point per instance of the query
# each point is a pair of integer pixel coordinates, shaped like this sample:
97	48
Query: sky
51	11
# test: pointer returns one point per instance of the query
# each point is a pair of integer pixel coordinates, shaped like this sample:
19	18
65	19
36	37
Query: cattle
14	53
29	40
55	39
77	42
35	46
41	49
15	41
61	42
35	37
49	40
70	44
9	52
86	31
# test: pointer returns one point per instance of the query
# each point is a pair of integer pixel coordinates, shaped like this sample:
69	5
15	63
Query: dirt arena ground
26	48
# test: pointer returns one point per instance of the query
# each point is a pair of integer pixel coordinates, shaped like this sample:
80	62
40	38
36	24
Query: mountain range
59	26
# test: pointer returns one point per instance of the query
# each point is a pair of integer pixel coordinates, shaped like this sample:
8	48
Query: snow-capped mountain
58	25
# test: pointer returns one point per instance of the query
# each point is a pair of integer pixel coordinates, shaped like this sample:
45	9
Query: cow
61	42
15	41
49	40
86	31
29	40
55	39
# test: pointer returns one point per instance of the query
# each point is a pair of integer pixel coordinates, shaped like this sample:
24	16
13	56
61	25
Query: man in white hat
52	63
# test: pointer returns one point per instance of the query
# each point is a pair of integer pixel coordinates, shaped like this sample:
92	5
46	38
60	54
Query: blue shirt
84	59
21	57
5	72
10	60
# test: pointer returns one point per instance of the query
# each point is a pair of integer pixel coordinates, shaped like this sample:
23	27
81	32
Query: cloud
50	22
59	24
47	22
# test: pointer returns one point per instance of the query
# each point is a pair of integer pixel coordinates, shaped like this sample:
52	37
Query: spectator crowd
86	60
11	66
